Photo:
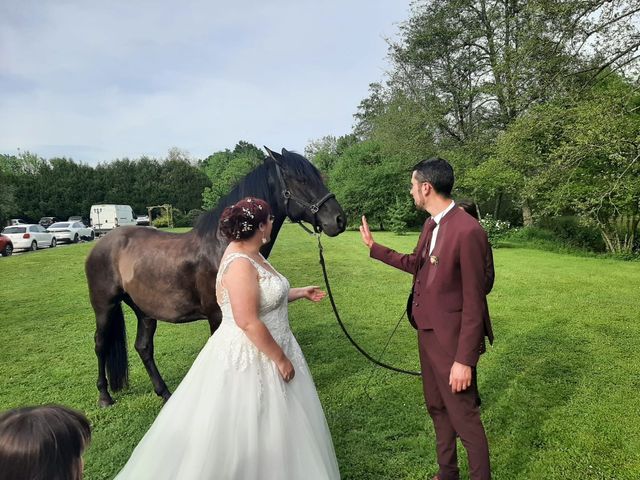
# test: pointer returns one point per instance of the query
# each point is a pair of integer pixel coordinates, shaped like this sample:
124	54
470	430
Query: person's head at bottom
43	443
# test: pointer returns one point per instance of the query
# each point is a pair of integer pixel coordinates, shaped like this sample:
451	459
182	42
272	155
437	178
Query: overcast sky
99	80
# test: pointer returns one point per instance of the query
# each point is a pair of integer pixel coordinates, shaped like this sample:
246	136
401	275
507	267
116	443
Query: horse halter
313	207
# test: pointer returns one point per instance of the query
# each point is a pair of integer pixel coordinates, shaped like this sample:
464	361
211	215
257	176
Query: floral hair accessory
242	219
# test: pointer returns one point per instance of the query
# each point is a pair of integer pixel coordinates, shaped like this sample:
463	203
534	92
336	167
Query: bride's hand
287	372
313	293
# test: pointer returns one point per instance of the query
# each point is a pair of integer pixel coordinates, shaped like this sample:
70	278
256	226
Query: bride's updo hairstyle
241	220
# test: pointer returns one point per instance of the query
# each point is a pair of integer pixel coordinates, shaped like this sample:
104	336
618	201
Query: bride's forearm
295	294
260	336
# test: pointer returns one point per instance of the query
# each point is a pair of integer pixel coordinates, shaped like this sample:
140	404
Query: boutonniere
434	260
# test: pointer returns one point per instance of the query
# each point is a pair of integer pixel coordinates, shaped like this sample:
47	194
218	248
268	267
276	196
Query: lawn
559	387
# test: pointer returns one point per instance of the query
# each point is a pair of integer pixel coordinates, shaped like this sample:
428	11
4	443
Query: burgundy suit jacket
450	296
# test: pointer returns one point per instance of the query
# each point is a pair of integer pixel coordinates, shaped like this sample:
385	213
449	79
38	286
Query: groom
449	310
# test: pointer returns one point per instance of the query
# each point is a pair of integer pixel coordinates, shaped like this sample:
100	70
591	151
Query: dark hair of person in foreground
43	443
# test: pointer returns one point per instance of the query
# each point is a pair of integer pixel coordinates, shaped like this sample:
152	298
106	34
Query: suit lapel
441	240
420	248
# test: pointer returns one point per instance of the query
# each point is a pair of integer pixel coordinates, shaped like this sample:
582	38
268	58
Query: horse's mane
300	167
255	184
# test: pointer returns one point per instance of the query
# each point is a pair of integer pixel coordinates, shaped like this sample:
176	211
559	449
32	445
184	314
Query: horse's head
304	195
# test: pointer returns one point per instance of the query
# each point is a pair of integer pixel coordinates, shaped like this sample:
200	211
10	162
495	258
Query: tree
580	156
597	166
8	204
324	152
179	154
225	169
30	182
475	66
366	182
402	127
400	214
182	184
463	71
66	188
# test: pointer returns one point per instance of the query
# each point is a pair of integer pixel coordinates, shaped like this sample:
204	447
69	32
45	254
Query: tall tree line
32	187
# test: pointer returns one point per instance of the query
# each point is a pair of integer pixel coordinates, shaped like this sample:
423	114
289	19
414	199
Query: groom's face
417	191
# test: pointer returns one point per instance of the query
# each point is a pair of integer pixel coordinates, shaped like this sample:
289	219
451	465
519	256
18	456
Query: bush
192	217
569	230
180	219
542	239
161	222
532	234
496	229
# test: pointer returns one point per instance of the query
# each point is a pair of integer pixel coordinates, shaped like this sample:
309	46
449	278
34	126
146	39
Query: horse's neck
211	248
275	229
213	245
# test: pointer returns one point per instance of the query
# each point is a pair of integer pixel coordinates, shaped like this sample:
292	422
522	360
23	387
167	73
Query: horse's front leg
144	347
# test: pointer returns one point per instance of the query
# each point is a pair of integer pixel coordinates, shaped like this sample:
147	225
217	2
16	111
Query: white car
71	232
29	237
17	221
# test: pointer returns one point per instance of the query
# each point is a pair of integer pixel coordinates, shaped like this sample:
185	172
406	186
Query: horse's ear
275	156
285	151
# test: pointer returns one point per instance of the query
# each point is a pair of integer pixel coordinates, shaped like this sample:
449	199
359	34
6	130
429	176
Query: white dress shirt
437	219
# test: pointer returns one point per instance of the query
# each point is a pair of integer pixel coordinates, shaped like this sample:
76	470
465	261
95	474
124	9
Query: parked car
76	218
29	237
17	221
142	220
71	232
105	218
6	246
46	222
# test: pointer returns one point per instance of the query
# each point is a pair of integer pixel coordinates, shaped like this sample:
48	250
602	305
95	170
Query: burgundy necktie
431	225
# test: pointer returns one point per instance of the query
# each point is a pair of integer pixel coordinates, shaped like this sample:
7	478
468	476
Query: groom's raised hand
365	233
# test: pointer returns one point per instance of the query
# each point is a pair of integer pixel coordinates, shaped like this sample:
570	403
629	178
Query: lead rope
342	326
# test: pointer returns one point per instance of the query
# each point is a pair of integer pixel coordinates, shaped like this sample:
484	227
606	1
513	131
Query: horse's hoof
105	402
166	396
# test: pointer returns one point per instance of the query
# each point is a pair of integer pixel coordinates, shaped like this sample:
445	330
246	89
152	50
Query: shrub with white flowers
496	229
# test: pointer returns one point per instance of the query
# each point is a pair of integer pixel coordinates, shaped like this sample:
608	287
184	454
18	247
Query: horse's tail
117	364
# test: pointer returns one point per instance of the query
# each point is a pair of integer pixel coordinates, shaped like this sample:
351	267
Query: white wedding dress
233	417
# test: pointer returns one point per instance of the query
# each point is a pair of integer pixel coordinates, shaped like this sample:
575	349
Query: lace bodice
274	289
273	312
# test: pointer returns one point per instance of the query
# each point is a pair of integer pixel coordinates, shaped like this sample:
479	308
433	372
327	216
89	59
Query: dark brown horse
171	276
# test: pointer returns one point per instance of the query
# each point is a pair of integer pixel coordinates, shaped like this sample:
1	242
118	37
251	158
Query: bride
248	408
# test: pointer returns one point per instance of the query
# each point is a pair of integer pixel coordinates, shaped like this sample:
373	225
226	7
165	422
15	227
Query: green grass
560	386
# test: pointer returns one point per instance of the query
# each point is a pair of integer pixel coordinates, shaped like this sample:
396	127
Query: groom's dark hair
438	172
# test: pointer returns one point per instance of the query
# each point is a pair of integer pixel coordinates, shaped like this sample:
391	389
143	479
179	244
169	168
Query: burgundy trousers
452	413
